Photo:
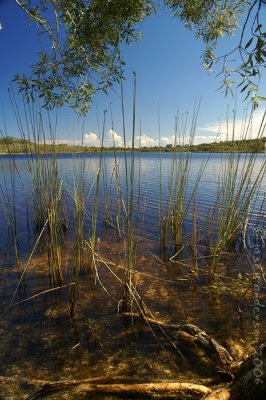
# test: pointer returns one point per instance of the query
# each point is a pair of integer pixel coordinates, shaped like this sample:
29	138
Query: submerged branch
191	334
103	384
159	388
248	377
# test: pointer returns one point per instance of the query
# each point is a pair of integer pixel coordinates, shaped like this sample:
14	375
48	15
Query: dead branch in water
191	334
249	382
160	388
248	376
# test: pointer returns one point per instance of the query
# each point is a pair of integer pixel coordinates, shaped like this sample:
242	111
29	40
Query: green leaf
258	27
249	43
244	88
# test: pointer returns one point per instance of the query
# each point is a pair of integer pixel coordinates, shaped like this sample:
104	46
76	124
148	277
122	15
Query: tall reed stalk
127	290
79	216
9	197
96	198
46	186
180	195
8	201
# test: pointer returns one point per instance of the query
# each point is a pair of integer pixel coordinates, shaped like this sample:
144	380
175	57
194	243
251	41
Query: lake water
43	339
152	176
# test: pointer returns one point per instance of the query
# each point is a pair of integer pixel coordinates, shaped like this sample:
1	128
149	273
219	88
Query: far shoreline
130	151
19	146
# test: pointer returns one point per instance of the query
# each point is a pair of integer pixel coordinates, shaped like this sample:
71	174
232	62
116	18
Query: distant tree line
11	145
244	146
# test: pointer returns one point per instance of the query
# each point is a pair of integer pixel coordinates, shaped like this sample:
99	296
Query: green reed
237	188
46	186
127	290
114	213
97	193
179	199
9	200
79	258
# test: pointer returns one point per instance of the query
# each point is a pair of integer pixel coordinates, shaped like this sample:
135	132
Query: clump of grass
180	195
93	238
113	203
46	185
49	208
237	188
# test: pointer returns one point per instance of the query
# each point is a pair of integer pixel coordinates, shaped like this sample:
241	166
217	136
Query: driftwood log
108	384
249	383
248	377
192	335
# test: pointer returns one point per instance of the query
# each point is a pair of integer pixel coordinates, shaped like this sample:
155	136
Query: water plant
180	191
47	191
238	185
105	255
127	289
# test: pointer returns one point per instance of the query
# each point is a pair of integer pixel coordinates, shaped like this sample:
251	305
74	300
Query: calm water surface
152	176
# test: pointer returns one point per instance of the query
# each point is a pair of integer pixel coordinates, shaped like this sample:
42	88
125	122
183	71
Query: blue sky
170	75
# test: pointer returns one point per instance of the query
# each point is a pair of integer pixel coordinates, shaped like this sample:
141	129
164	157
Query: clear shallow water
40	340
151	178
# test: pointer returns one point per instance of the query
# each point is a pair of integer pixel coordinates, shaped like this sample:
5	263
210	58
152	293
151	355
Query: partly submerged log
50	387
109	384
249	381
159	388
248	377
192	335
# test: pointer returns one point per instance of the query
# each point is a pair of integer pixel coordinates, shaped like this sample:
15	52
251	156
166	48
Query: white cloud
167	140
91	139
245	128
113	139
148	141
223	130
144	141
204	139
